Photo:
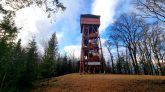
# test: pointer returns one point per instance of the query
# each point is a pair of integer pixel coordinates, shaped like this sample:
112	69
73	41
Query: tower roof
89	16
89	19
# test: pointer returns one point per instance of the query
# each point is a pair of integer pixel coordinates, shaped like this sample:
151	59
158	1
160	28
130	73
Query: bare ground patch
102	83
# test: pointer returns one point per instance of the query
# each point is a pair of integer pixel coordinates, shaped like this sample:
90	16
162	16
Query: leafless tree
152	8
108	45
128	31
116	43
145	52
157	45
72	57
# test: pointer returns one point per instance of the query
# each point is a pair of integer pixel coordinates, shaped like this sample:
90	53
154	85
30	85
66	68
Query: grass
101	83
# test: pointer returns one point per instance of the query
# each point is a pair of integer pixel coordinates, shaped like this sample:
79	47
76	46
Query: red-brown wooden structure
91	59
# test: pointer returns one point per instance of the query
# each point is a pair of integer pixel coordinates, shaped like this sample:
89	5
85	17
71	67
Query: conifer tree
48	67
31	66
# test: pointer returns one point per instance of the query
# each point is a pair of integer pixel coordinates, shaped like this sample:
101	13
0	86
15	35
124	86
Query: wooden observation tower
91	59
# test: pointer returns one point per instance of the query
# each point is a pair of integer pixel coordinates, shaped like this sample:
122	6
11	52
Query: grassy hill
101	83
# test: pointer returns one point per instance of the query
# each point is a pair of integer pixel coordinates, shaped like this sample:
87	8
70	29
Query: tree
157	45
108	45
31	66
48	67
128	31
152	8
52	50
71	56
8	33
8	30
145	51
17	69
65	65
115	41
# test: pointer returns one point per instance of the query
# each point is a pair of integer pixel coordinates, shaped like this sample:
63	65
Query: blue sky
34	22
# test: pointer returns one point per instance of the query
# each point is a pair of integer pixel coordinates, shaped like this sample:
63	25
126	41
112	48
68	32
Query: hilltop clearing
102	83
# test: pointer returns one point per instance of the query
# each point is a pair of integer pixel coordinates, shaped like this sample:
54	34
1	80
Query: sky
33	22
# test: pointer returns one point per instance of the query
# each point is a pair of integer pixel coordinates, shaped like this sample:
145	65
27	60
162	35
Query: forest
142	43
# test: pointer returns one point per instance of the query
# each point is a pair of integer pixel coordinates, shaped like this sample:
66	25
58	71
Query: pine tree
31	66
19	61
8	32
48	67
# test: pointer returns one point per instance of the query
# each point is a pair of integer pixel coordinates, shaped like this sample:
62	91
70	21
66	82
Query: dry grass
102	83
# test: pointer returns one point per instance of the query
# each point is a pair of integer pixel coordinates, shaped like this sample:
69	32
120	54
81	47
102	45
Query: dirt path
102	83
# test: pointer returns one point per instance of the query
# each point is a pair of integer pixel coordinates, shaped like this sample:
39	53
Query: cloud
73	50
110	10
34	23
106	9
